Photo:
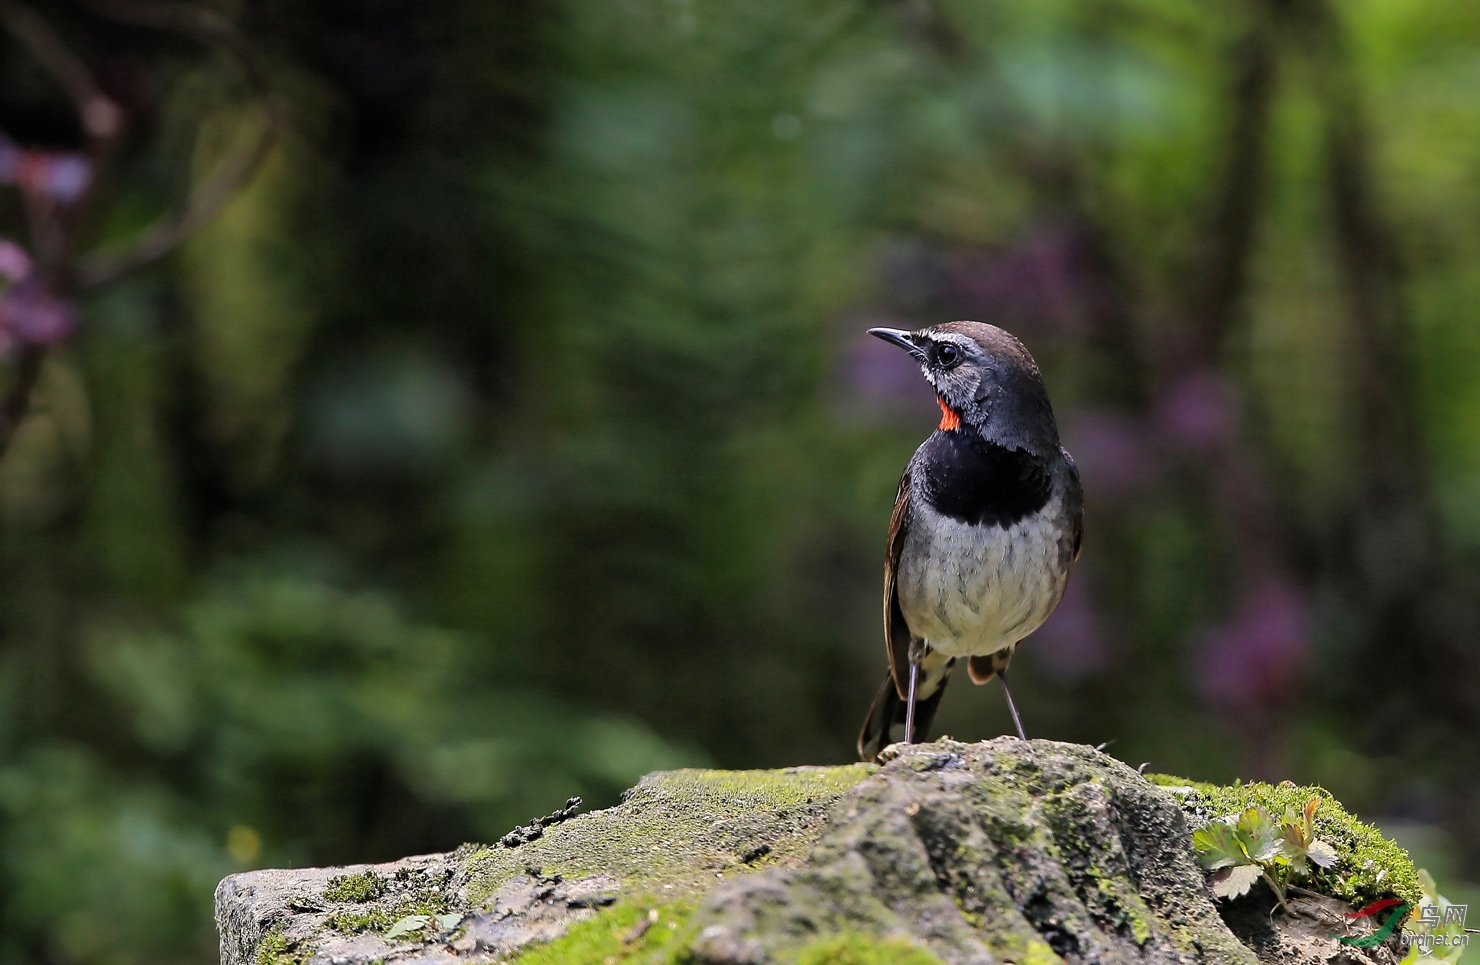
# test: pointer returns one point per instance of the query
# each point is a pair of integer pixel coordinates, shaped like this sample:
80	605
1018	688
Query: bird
988	520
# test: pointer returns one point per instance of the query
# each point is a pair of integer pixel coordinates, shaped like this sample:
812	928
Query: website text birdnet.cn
1432	917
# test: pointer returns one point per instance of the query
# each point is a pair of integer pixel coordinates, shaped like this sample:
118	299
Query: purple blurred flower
1257	656
1197	412
1110	450
64	176
1071	645
881	374
30	313
15	264
1036	284
59	175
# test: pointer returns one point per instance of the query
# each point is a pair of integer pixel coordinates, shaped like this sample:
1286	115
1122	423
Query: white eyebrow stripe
955	338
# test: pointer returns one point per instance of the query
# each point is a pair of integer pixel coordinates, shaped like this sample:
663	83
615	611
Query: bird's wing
896	631
1075	502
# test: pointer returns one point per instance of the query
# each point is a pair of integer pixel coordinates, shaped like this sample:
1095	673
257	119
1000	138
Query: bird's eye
947	355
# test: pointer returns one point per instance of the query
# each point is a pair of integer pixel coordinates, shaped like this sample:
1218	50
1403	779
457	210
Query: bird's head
985	379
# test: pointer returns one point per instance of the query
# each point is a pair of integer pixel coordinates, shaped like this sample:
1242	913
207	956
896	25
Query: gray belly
969	589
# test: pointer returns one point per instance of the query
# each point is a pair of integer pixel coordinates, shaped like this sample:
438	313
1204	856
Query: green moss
354	922
973	918
1369	866
379	917
1073	843
275	949
1124	904
616	935
365	886
1021	947
424	903
679	829
858	948
787	787
272	949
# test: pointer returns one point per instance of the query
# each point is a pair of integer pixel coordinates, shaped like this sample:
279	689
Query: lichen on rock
674	836
1003	851
679	832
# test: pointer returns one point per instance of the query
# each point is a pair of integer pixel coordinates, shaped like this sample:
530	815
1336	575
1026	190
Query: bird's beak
899	337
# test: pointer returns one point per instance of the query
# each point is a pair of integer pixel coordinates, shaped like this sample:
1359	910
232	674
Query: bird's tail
885	721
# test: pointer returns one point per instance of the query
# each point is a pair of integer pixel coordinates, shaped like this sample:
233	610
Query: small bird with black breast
987	521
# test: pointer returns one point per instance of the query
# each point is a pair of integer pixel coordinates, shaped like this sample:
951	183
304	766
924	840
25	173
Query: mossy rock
993	852
1368	865
1003	851
674	836
679	832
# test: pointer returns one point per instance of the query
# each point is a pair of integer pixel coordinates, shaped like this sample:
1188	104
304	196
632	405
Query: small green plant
408	925
1435	935
1242	848
414	923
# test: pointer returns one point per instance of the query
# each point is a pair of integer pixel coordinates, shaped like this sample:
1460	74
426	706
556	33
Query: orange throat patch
948	419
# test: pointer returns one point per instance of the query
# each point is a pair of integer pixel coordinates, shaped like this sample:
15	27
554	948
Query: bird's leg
909	705
1002	675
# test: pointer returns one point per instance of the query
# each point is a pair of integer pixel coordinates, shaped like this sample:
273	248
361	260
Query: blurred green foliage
514	433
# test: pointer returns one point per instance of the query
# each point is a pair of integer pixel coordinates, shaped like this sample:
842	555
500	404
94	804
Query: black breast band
975	481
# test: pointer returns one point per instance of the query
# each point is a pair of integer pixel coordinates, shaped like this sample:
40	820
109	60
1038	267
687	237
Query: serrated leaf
1233	882
1258	834
409	924
1295	832
1293	843
1217	846
1321	853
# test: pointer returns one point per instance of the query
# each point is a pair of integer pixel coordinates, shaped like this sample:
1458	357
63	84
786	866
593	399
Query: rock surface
1003	851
